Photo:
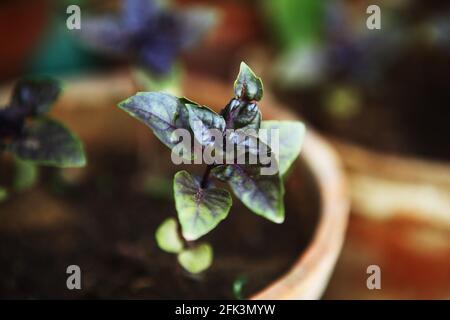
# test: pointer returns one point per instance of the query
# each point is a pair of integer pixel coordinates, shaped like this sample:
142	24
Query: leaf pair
32	136
194	259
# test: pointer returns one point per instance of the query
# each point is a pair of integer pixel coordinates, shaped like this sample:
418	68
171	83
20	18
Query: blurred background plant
355	83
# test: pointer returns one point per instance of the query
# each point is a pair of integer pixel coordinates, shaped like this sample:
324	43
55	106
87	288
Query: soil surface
101	220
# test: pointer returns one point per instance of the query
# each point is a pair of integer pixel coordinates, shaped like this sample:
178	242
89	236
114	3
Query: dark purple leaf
106	35
162	112
240	113
35	95
247	85
47	142
137	13
205	123
263	194
146	33
158	57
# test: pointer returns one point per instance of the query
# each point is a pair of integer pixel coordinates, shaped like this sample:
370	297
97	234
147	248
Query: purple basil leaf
199	209
205	123
107	35
47	142
146	33
247	85
242	114
137	13
262	194
158	56
35	95
12	120
162	112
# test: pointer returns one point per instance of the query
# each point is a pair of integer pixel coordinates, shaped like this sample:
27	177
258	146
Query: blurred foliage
299	29
26	175
169	83
158	187
146	34
196	259
296	23
342	102
238	286
168	238
3	194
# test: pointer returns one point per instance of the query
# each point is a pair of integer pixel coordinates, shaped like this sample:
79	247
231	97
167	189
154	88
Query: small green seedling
33	137
200	203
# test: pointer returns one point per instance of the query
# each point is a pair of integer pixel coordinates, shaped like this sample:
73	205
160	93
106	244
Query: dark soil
105	224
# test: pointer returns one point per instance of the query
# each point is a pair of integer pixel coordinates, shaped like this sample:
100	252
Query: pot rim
388	186
391	165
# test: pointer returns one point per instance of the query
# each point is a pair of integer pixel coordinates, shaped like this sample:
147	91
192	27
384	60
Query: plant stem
205	179
186	243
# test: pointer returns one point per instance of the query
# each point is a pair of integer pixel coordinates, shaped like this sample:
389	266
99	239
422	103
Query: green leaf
196	259
199	209
291	136
203	121
238	286
162	112
167	236
247	85
242	114
25	175
343	102
263	194
38	94
169	82
47	142
298	23
3	194
158	186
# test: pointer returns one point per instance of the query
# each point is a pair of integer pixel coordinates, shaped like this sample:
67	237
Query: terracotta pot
401	222
88	108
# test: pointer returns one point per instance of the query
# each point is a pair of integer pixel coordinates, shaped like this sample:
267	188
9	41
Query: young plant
32	136
201	205
147	33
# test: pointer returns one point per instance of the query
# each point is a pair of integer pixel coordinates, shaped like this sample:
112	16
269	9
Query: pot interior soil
105	224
